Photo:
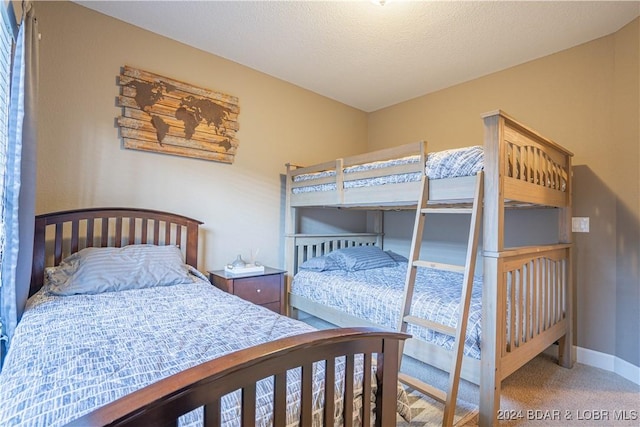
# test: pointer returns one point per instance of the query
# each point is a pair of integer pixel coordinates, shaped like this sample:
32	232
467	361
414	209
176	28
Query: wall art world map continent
168	116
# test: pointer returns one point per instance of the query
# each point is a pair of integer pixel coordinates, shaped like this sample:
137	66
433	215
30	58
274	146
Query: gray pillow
361	258
97	270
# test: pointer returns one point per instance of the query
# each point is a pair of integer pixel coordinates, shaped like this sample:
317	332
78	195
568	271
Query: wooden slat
366	389
90	231
389	170
329	391
75	227
58	244
537	307
144	230
443	329
423	387
156	232
439	266
521	309
306	393
248	418
280	399
179	235
132	231
212	414
445	210
348	390
104	238
118	233
512	311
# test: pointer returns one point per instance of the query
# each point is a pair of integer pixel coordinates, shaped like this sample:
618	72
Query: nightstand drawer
260	290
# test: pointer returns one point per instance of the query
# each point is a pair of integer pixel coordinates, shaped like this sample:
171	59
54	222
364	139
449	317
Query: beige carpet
428	412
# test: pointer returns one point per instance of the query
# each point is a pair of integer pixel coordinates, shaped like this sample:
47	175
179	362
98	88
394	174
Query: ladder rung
447	210
439	327
439	266
423	387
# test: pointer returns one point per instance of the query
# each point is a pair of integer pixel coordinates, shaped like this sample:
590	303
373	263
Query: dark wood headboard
59	234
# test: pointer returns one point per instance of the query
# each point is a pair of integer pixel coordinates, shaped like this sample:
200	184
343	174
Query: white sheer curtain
18	171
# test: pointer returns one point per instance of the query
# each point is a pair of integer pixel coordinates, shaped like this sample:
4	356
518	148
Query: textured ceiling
370	56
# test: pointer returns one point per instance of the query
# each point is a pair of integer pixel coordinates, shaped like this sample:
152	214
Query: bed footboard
534	296
204	385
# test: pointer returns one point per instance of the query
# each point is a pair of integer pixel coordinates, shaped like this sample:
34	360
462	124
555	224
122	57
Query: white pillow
97	270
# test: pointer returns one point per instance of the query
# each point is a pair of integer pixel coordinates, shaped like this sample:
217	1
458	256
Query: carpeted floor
428	412
542	393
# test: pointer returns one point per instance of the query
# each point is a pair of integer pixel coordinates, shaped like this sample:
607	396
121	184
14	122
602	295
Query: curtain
20	174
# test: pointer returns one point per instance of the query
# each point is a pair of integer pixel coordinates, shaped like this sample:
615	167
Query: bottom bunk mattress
376	294
73	354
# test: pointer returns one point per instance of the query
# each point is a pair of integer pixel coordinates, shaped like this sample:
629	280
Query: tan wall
585	98
81	162
626	182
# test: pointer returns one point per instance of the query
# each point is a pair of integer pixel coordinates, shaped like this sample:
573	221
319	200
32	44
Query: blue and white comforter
376	295
452	163
72	354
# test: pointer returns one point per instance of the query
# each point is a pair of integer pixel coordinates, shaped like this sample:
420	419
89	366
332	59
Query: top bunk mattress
453	163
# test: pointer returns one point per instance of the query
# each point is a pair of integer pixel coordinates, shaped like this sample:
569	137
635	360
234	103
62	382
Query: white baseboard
604	361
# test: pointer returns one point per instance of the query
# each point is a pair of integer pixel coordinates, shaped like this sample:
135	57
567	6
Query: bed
121	328
376	294
525	292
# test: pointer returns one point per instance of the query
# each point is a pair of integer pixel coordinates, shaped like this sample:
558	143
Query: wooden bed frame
59	234
522	169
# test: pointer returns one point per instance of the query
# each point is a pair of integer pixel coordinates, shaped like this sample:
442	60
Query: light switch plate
580	224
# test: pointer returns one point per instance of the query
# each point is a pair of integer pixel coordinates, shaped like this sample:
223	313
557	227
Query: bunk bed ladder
449	396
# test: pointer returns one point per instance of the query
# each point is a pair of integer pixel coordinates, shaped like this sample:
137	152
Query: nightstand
265	289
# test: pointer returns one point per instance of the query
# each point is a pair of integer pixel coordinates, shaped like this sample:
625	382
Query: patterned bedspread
452	163
376	295
73	354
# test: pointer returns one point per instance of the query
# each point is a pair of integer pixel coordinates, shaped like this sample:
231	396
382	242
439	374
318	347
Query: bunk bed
526	294
122	329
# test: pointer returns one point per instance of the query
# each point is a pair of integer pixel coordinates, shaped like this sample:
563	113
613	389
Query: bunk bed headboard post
493	237
290	221
565	347
493	240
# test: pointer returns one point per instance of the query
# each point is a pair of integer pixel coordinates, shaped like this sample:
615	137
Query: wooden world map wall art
167	116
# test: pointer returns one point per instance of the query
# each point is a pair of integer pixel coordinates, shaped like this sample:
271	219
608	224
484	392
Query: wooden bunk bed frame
522	169
60	234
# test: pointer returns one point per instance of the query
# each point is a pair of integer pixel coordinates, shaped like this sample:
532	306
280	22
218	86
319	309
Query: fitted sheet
452	163
72	354
376	295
